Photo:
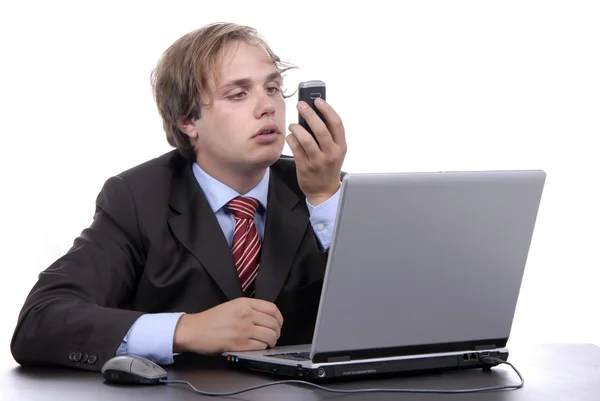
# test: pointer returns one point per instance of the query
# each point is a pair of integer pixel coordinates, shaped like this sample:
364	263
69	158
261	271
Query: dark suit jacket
156	246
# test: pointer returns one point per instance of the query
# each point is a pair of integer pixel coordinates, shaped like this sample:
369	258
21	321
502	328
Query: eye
273	89
236	96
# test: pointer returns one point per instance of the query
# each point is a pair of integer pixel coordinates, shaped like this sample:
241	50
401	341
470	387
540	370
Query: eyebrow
246	81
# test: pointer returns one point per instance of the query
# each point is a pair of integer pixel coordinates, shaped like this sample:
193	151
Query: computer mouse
131	369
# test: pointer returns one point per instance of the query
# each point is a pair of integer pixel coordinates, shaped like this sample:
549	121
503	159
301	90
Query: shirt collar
219	194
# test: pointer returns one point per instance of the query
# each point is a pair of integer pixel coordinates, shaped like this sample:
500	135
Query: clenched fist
244	324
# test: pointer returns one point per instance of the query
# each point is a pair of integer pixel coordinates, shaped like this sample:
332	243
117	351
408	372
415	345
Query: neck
240	179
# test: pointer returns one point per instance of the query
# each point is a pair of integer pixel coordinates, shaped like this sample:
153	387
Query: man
218	245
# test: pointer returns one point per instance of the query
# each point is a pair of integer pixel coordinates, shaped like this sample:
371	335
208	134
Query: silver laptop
424	273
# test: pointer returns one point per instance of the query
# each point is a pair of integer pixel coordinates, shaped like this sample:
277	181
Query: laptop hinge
338	358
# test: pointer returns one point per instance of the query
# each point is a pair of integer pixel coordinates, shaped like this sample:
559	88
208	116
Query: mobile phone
308	91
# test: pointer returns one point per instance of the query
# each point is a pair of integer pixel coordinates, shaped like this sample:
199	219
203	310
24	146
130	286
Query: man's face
244	127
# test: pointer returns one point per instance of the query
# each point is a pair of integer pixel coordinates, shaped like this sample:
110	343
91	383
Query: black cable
488	361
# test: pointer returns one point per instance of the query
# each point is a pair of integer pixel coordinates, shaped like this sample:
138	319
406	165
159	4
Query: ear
188	127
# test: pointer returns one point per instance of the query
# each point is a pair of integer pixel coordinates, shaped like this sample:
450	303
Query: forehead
243	60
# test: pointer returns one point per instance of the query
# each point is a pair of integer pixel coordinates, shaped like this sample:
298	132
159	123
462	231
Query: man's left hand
319	164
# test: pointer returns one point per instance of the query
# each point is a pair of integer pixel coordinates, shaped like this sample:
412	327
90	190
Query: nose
265	105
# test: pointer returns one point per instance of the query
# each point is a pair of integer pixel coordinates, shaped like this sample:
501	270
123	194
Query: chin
266	157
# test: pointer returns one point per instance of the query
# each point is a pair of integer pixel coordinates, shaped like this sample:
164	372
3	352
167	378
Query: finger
269	308
268	321
318	127
264	335
252	345
297	149
306	141
334	122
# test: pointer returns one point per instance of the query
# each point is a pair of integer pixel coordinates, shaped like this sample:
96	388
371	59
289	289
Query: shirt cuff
151	337
322	218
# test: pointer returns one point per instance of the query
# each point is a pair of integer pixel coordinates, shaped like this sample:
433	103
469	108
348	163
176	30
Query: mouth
267	130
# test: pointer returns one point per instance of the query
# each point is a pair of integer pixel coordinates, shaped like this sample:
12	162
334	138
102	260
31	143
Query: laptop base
369	369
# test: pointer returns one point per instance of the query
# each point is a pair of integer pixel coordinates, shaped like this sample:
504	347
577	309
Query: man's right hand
243	324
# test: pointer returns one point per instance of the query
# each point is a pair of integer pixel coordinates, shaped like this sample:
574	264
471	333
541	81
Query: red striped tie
246	242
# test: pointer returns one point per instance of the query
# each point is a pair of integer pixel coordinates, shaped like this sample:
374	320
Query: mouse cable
488	361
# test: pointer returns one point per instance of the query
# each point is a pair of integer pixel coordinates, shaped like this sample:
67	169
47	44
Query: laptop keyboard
295	356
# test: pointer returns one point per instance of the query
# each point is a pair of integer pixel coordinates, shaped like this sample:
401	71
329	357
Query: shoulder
147	182
164	165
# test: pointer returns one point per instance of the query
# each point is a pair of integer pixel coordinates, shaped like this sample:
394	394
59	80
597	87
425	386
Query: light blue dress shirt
151	335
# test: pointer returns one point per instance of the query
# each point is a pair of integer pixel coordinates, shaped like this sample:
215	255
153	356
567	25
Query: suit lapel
197	228
285	226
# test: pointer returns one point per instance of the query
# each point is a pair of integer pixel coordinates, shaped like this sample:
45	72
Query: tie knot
242	207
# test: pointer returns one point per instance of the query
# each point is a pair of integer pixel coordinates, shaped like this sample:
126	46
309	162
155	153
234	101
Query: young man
218	245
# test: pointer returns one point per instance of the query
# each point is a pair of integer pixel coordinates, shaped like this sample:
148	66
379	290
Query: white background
421	86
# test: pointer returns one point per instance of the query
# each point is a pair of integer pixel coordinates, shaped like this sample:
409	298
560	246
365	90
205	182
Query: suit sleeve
72	317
